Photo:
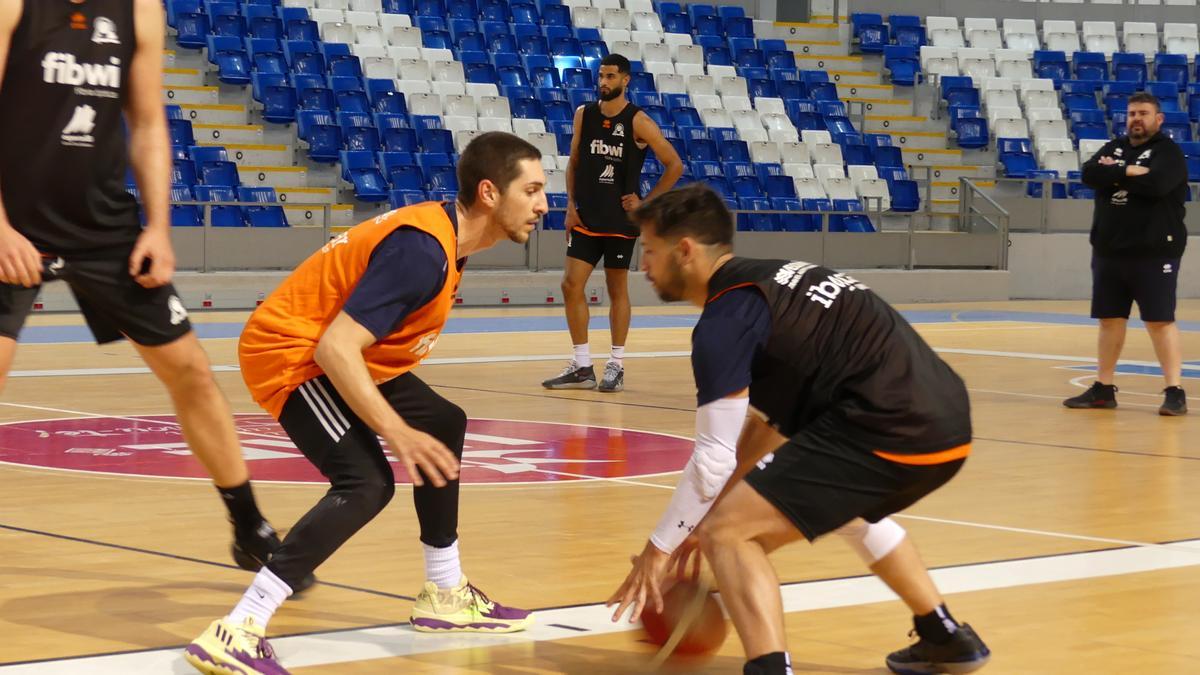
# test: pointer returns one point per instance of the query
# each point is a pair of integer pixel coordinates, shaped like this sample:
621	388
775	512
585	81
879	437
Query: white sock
261	600
618	355
583	358
442	566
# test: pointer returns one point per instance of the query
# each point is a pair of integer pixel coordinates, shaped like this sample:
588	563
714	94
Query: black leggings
349	454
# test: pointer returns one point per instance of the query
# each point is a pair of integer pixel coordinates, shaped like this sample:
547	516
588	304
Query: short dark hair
493	156
622	63
694	210
1145	97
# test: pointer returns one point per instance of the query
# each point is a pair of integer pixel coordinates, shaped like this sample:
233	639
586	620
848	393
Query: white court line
464	360
400	641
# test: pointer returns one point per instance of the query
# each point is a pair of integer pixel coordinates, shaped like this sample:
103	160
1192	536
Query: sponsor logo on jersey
78	132
79	21
62	68
425	345
608	174
619	130
105	31
599	147
827	291
1120	198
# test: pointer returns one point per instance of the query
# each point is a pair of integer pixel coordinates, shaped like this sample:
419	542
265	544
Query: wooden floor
1070	541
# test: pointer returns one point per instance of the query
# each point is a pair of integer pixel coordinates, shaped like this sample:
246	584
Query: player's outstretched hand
643	586
20	263
631	202
417	449
154	245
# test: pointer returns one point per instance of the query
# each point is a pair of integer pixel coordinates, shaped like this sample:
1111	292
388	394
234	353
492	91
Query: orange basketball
703	622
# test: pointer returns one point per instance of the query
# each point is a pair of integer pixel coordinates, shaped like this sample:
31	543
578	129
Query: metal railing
992	215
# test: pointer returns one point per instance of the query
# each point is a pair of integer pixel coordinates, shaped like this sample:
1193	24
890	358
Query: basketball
701	620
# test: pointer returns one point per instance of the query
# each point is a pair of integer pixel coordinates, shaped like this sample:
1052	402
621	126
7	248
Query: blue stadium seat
907	30
555	219
1129	67
322	133
400	198
1171	68
261	216
1050	64
184	215
358	168
222	216
1090	66
903	64
181	132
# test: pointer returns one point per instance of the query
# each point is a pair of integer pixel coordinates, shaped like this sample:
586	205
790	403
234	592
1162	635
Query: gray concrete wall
1058	267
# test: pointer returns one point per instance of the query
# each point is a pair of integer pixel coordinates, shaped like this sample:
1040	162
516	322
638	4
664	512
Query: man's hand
631	202
1135	170
1107	161
418	449
643	586
153	245
572	221
20	262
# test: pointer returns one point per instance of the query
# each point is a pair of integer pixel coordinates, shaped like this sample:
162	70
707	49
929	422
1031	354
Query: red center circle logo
495	452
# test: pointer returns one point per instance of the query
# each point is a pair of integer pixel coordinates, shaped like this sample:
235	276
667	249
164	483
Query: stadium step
880	124
932	156
860	90
917	139
820	59
883	106
228	133
278	177
180	94
855	76
809	47
187	77
168	58
210	113
950	173
817	31
950	189
307	195
247	154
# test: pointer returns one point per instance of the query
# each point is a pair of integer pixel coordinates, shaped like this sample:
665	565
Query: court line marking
398	641
321	485
527	358
183	558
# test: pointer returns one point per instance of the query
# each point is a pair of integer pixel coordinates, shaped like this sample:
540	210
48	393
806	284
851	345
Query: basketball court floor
1070	540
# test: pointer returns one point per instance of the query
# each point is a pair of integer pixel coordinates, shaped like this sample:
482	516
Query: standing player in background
603	184
330	355
860	418
76	75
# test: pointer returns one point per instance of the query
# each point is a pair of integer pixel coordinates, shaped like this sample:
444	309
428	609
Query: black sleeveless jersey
610	167
63	150
837	349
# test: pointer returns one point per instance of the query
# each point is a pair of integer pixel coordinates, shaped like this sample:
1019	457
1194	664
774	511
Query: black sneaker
252	550
1098	396
964	653
1174	402
614	378
573	377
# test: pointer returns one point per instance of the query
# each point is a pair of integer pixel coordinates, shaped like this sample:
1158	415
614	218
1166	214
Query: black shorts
340	444
820	480
1118	282
617	251
112	303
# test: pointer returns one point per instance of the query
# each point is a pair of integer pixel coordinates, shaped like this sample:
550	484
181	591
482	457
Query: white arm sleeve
718	425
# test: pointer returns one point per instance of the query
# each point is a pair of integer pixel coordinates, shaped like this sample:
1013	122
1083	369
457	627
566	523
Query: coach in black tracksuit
1138	237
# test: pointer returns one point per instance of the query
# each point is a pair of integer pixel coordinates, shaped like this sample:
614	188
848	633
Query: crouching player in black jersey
853	417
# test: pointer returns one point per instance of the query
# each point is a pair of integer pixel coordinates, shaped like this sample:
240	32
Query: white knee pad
872	541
